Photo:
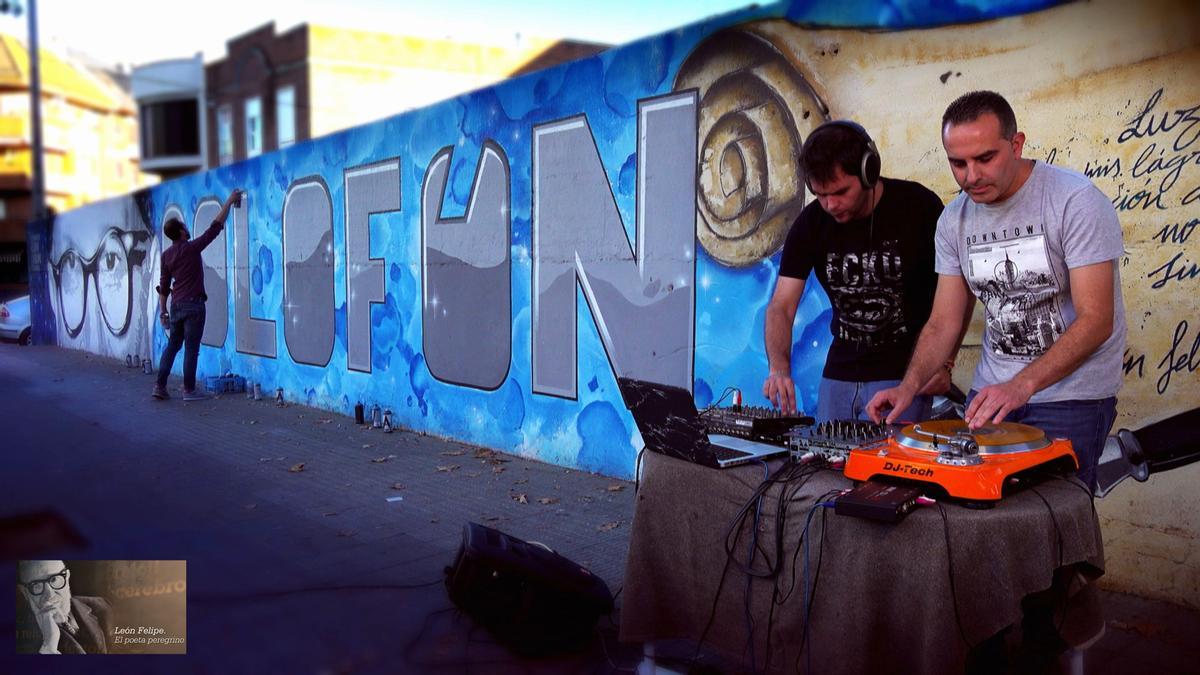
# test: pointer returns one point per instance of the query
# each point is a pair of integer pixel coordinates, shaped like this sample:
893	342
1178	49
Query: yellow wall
89	131
1078	76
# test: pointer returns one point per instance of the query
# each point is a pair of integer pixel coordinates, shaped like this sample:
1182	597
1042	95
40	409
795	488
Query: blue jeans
1085	423
187	326
842	400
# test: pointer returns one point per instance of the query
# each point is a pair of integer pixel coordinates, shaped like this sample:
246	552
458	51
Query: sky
135	31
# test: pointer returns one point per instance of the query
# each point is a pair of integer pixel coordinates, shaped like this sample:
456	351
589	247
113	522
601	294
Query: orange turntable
972	465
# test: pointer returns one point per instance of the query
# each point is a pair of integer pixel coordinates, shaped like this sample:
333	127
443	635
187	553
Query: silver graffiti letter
642	300
251	336
466	303
308	271
370	188
216	274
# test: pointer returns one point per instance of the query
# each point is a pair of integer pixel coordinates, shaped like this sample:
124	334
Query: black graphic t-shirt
878	273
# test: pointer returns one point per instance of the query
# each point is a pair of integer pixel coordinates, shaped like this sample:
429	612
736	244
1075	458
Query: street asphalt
314	545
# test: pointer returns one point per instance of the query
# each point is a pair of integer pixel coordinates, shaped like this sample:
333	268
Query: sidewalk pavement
275	507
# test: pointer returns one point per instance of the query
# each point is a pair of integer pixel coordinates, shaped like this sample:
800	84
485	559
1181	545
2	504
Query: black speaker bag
530	598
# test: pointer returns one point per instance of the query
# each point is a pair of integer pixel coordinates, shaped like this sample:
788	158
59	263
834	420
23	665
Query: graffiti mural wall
486	266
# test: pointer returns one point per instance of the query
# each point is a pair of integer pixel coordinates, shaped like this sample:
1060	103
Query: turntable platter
993	439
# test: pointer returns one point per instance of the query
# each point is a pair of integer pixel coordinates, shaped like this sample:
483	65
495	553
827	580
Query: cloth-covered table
882	600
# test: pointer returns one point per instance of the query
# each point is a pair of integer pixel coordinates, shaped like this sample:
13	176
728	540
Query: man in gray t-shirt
1039	245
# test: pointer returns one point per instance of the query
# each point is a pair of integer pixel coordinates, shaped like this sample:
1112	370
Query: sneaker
194	395
160	393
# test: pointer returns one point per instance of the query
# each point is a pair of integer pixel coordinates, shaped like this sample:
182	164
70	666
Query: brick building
271	90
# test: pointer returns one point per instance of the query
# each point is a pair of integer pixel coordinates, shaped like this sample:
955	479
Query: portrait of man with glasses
57	622
99	274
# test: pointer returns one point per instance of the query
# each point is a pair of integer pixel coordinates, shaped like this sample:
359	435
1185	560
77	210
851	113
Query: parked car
14	320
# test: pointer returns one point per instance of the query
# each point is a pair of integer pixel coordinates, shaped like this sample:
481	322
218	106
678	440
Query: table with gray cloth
882	600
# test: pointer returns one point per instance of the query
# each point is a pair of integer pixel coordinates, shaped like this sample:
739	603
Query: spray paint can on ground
358	413
279	397
129	360
387	421
257	391
147	368
376	417
249	390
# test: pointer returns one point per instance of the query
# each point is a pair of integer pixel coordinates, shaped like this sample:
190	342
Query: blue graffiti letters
466	299
308	271
369	189
642	300
251	335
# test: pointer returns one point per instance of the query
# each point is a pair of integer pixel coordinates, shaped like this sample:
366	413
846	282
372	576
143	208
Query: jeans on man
843	400
187	326
1085	423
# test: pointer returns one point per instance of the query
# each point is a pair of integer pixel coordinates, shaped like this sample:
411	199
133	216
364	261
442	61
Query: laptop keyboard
722	453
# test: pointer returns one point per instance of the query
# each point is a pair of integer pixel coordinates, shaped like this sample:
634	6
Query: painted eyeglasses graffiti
111	267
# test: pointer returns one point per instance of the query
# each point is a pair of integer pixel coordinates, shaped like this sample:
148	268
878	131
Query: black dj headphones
869	165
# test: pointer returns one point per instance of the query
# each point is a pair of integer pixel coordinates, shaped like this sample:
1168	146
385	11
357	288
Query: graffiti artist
869	241
1038	244
185	321
65	624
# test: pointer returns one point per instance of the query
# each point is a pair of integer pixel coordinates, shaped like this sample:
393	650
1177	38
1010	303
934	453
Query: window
224	135
170	128
285	116
254	133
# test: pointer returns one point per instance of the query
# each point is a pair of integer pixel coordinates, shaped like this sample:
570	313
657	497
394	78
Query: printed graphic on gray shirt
1016	283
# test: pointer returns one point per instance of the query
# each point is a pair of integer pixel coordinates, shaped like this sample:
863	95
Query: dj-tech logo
908	469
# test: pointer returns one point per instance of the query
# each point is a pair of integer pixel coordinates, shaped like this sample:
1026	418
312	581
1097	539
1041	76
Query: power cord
712	406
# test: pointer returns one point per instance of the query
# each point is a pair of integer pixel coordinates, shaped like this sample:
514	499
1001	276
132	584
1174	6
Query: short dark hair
830	146
970	106
173	228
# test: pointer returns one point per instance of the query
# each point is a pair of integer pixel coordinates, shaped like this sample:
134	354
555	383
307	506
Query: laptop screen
666	416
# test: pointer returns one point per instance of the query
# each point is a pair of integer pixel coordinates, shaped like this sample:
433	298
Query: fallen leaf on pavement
448	468
549	500
609	526
381	460
521	482
497	469
397	486
330	513
453	453
484	453
253	421
324	420
297	468
615	487
368	445
520	498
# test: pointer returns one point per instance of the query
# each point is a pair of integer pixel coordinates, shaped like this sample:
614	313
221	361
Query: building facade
89	132
271	90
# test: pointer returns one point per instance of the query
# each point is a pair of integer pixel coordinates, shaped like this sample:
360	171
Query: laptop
671	425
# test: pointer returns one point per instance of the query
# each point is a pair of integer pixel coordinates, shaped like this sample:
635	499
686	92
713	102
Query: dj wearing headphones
869	242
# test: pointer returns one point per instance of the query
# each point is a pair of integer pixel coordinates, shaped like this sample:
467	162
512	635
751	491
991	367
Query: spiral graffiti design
756	108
